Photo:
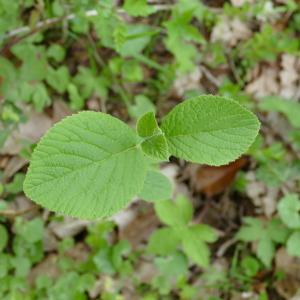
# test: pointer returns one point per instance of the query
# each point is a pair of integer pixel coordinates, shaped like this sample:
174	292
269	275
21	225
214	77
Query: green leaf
58	79
156	147
31	231
156	187
163	241
288	209
34	66
22	266
250	266
3	237
293	244
251	230
291	109
266	250
86	166
195	248
40	97
16	186
132	71
210	130
172	266
174	213
204	232
138	36
137	8
56	52
277	231
77	102
147	125
142	105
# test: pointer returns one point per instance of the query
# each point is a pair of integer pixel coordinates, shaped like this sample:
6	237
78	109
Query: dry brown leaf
60	110
68	227
141	226
47	266
290	76
13	166
214	180
36	125
288	286
239	3
187	82
50	242
265	84
262	196
230	31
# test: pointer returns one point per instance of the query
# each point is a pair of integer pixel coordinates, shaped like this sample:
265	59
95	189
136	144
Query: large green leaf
209	129
86	166
156	187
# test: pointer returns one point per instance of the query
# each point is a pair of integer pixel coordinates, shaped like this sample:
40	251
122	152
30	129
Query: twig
215	81
12	213
46	23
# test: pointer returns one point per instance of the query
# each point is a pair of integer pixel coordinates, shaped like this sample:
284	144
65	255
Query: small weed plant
90	165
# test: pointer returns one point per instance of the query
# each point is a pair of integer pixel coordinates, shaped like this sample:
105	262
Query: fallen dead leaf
60	110
290	76
68	227
187	82
141	226
230	31
288	286
239	3
265	83
214	180
47	266
36	125
13	166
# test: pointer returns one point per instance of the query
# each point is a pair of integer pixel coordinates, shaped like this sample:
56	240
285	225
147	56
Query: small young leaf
156	147
293	244
147	125
156	187
87	166
209	129
163	241
289	210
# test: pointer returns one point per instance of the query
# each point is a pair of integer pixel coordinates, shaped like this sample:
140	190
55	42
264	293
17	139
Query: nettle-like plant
90	165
